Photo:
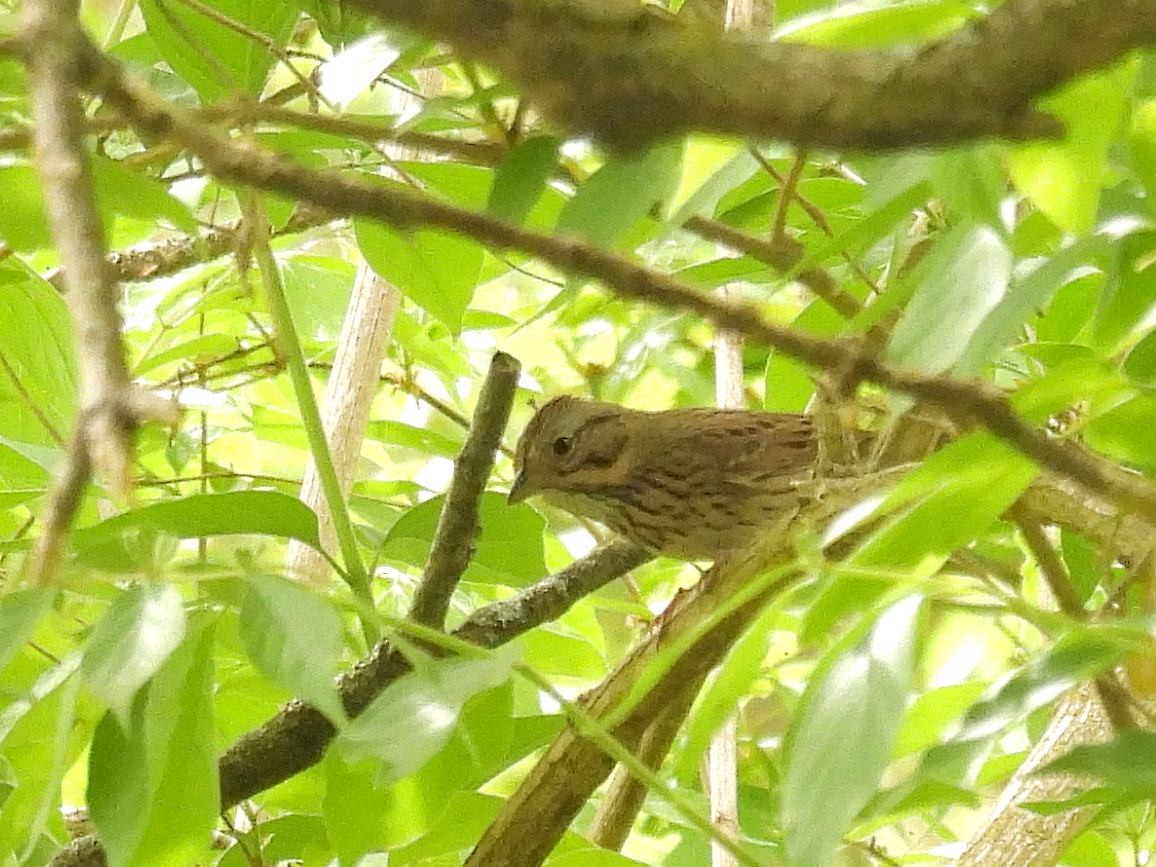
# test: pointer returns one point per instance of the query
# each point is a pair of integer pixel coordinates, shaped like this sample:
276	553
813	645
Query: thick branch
631	78
297	737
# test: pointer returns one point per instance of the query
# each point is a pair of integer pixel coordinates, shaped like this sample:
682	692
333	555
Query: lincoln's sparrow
690	483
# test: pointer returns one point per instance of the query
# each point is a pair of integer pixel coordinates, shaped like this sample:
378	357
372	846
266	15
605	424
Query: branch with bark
632	78
848	362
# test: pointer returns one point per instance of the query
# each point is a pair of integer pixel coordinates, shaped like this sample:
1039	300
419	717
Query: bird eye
562	446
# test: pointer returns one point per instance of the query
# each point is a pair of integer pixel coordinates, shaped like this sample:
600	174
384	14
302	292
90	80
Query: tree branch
968	401
632	78
453	543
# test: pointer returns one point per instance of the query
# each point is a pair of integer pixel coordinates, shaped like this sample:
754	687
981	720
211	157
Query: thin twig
788	190
453	542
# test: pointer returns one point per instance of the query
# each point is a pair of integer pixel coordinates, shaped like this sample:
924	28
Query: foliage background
882	704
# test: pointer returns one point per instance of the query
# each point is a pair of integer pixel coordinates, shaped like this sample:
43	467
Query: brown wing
737	446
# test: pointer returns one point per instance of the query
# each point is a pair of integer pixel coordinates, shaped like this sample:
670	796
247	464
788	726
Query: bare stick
453	542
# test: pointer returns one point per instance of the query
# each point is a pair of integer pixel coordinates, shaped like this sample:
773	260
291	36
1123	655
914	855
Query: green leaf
1075	658
20	613
40	737
1141	362
133	194
37	339
1027	295
789	385
732	681
620	194
294	636
413	720
962	279
1064	178
971	182
866	25
509	549
218	59
931	713
259	512
202	347
955	495
1142	143
710	168
1128	761
521	177
1125	432
437	270
23	223
1130	292
130	643
844	734
152	787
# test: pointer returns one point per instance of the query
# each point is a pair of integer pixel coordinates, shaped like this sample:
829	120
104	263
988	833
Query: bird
692	484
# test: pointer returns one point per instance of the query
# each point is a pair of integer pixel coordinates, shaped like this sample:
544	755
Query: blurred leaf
152	785
20	613
39	739
195	516
866	25
1142	143
931	713
722	695
1141	361
507	551
217	59
317	289
23	223
204	346
413	720
1086	566
1074	659
1027	295
124	191
788	382
36	335
620	194
131	642
420	439
843	736
521	177
1064	178
1125	432
1128	761
954	495
355	67
294	636
436	270
1130	293
962	279
971	182
710	168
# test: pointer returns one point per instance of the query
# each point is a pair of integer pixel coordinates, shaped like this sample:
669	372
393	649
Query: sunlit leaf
842	739
294	635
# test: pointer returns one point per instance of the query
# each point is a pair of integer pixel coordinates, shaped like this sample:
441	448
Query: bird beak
520	489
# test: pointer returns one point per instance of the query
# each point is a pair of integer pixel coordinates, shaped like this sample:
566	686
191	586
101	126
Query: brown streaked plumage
690	483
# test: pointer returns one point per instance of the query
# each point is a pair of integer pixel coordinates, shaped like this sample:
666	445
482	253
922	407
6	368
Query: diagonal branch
299	735
970	402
